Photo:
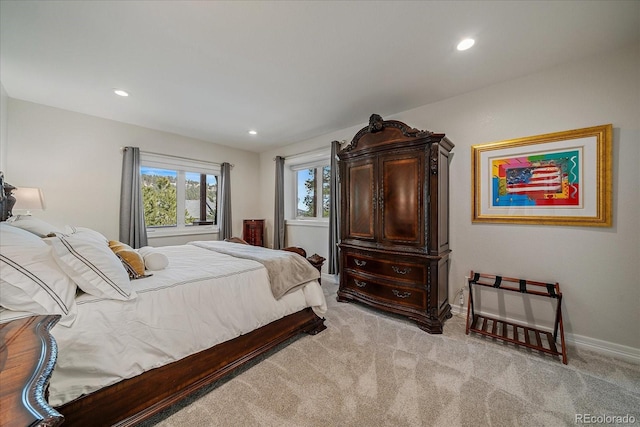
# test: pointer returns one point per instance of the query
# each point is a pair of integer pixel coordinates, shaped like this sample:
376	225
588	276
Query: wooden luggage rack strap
526	336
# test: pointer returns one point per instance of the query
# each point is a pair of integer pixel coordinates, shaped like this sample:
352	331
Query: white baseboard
581	342
605	347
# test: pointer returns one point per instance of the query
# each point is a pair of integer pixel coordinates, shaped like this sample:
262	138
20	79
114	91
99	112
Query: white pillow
69	229
34	225
30	279
14	236
153	261
85	256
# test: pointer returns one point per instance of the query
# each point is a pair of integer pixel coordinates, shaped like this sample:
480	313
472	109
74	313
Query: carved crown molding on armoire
394	236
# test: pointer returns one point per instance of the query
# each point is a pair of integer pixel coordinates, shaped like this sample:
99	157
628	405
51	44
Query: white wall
312	237
77	161
3	128
598	268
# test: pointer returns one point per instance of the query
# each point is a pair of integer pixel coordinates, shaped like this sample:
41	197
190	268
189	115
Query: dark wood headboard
6	198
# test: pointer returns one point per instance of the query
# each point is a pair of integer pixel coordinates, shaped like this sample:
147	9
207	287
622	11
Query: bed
130	349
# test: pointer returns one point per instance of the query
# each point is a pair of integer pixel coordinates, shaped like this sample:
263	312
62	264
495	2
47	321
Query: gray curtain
278	215
334	211
133	230
225	202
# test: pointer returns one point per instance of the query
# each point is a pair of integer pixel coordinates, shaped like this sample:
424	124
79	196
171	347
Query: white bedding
201	299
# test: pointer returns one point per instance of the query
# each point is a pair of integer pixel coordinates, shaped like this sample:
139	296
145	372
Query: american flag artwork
544	179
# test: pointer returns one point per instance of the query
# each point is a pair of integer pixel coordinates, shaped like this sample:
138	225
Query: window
201	201
178	193
312	192
307	179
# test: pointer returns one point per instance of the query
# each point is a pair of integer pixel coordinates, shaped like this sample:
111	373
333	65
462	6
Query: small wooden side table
317	261
28	354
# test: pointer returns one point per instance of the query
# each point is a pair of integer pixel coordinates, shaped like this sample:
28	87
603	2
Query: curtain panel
133	230
225	222
333	267
278	215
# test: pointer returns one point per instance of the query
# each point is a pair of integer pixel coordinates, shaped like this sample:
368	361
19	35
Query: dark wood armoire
394	232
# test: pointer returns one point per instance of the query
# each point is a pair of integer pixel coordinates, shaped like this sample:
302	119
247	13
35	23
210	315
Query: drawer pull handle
359	283
399	271
360	263
401	294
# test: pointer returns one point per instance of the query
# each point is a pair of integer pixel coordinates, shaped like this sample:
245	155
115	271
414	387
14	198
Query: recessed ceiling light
120	92
253	132
466	44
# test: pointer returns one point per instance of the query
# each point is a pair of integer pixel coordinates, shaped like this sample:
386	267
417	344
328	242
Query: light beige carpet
372	369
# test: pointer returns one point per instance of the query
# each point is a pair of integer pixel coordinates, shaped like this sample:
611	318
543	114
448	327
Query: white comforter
201	299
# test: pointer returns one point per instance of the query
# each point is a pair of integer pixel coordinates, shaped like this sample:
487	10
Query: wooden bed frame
134	400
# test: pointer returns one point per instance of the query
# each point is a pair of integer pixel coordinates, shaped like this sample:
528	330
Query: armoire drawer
391	269
398	295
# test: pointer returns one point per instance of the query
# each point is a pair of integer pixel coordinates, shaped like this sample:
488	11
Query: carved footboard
134	400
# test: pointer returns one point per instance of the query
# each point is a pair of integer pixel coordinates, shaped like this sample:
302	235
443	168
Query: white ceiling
291	70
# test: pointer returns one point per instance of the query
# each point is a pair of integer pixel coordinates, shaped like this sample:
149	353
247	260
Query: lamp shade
28	198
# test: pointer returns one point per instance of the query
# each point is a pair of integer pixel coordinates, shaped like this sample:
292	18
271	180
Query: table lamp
28	198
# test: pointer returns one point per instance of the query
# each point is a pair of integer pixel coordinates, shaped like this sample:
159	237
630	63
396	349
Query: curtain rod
176	157
304	153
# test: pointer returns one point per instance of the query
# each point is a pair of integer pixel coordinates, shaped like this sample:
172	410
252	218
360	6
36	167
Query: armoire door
401	199
360	200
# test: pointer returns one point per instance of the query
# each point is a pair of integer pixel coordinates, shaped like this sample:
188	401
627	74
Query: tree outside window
201	195
159	197
166	193
310	183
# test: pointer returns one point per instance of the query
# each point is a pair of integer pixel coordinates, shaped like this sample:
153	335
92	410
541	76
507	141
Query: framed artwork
561	178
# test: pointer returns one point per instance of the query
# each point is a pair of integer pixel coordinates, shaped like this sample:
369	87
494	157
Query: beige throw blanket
287	270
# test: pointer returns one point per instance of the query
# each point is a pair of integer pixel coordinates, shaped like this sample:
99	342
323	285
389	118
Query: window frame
319	187
312	160
181	165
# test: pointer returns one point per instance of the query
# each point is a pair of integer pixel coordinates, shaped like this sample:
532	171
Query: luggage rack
521	335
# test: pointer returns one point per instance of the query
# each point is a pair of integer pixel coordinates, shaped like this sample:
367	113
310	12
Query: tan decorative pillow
132	260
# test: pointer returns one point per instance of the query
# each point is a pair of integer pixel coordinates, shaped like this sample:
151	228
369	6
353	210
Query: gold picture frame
562	178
